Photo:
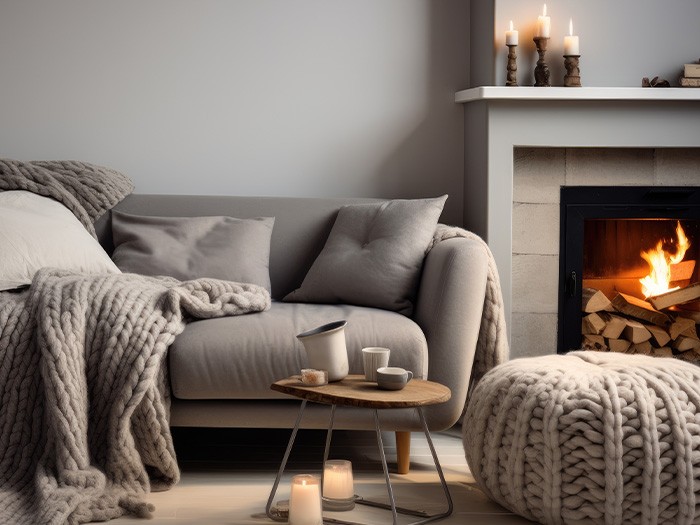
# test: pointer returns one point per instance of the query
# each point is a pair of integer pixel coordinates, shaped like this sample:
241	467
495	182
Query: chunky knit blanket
492	343
83	400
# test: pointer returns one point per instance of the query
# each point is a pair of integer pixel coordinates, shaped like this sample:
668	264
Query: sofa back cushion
301	225
191	247
374	255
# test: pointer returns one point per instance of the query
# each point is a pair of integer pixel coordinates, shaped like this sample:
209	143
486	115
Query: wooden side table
354	391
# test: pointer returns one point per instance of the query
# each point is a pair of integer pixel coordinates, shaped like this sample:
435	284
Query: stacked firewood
663	326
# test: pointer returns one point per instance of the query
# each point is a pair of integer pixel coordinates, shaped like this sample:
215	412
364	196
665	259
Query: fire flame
660	261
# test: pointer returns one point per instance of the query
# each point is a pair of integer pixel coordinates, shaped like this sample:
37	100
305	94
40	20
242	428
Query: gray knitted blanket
83	400
492	343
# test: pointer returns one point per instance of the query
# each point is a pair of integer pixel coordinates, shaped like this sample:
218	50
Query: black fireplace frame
579	203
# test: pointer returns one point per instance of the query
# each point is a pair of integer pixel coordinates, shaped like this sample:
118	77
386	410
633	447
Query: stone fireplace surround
522	144
538	175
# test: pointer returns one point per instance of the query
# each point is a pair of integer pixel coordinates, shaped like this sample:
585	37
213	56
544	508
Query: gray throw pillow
192	247
373	255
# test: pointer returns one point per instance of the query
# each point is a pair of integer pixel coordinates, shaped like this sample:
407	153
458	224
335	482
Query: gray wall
621	41
244	97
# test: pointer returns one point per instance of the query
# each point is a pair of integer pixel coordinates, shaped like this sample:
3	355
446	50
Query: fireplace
609	298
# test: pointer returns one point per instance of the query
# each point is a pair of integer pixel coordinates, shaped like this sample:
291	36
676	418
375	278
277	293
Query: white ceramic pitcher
326	349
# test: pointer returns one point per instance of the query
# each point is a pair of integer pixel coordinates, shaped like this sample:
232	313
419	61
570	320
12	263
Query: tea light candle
571	41
544	23
305	501
312	377
511	36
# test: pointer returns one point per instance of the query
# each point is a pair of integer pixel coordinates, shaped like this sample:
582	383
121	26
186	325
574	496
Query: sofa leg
403	452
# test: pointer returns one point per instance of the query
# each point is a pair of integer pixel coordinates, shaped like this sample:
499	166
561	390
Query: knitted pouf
589	437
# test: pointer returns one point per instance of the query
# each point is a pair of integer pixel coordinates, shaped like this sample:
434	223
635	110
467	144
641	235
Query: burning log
594	301
639	309
676	297
660	264
682	271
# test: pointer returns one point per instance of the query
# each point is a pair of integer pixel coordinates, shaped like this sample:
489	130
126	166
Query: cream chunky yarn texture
589	437
83	393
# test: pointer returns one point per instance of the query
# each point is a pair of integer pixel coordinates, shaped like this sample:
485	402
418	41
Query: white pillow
36	232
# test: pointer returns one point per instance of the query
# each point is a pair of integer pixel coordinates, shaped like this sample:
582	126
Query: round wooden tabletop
356	392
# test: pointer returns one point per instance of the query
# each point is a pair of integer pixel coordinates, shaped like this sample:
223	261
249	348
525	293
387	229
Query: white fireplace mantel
584	93
498	119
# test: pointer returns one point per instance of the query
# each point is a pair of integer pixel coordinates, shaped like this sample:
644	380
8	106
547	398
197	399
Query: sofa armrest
448	310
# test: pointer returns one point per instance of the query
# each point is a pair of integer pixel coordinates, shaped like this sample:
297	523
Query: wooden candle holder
541	69
573	73
512	79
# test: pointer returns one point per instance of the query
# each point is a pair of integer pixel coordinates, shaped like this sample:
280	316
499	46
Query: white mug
326	349
393	377
374	357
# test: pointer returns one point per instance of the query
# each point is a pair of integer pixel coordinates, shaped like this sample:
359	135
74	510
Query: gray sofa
221	369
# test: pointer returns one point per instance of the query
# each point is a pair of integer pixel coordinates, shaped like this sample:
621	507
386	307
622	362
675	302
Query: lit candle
571	41
511	36
544	23
305	501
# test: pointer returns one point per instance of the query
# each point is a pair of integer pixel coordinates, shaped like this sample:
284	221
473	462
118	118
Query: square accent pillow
373	255
37	232
191	247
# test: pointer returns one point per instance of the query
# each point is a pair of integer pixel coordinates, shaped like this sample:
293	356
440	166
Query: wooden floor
227	475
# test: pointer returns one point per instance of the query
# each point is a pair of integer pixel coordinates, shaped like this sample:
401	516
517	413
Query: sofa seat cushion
240	357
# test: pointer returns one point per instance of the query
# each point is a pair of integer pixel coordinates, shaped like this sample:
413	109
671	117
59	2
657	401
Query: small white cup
374	357
393	377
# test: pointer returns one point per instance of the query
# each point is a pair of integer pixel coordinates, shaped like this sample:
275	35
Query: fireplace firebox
629	270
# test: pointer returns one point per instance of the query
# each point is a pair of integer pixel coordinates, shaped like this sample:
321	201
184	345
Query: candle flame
544	10
660	261
571	27
511	25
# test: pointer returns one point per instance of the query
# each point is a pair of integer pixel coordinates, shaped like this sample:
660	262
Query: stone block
609	166
535	283
538	173
536	229
677	167
533	335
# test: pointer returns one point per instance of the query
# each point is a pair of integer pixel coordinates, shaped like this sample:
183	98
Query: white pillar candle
511	36
571	41
305	501
544	23
337	479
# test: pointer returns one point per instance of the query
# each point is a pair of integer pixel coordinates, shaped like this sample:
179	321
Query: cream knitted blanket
83	400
